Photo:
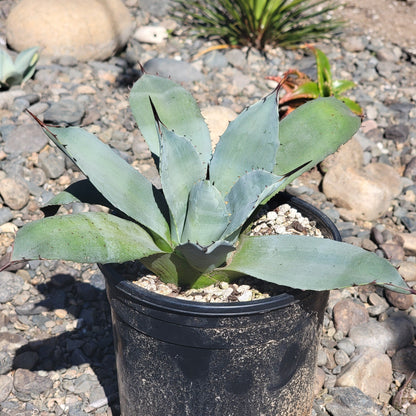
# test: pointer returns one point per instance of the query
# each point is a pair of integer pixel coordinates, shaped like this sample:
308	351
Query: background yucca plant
192	231
284	23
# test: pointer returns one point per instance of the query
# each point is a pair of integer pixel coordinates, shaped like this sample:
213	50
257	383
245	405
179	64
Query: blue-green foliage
190	231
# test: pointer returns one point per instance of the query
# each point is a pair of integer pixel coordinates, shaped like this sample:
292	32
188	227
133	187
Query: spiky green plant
303	89
190	232
19	71
284	23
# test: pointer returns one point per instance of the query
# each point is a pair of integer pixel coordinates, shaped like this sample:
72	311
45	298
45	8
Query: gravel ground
56	351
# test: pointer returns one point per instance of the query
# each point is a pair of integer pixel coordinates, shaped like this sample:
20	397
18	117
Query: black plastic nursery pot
183	358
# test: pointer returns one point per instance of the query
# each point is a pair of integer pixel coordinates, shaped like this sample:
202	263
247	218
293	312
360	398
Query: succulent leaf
352	105
26	61
6	65
208	207
177	109
315	130
311	263
173	268
246	195
13	78
122	185
180	169
92	237
207	215
308	90
208	258
250	142
14	73
340	86
323	71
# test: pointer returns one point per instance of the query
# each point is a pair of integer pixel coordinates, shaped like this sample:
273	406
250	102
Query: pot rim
136	294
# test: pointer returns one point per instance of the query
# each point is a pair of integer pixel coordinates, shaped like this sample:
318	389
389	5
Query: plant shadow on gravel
91	341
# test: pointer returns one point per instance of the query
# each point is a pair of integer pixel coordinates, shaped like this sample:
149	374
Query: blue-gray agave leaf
315	130
208	258
310	263
180	169
246	195
207	215
176	108
122	185
250	142
87	237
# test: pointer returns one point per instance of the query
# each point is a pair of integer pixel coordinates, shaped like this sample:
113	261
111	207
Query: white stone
151	34
85	29
8	227
245	296
272	215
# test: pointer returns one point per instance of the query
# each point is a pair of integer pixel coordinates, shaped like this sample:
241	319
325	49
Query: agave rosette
190	232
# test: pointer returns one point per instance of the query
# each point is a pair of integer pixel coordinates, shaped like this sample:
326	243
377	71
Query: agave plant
19	71
284	23
191	232
300	88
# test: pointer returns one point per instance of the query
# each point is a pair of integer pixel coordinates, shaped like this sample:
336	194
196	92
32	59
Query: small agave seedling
300	88
191	232
19	71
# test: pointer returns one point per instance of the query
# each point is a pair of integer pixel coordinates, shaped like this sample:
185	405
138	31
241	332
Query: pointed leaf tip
281	83
141	67
155	114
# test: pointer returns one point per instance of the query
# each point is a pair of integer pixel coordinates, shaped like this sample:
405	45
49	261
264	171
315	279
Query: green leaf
13	78
180	169
323	72
352	105
122	185
313	131
281	23
6	65
311	263
26	61
324	76
207	215
246	195
173	268
177	110
92	237
307	90
249	143
341	86
208	258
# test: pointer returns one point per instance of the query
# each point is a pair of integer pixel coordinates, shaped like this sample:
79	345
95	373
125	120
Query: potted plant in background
300	88
179	357
19	71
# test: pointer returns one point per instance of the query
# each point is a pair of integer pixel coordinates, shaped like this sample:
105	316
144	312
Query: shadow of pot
182	358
